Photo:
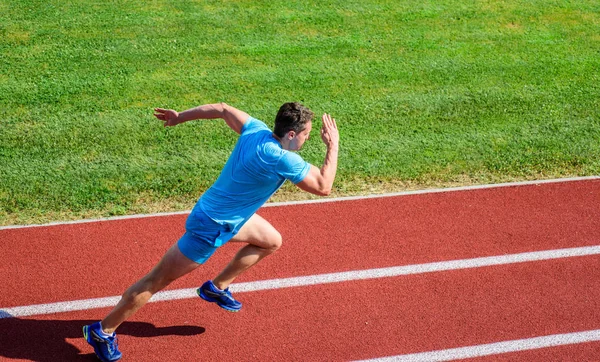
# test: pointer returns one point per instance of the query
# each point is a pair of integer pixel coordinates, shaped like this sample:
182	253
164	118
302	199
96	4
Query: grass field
432	93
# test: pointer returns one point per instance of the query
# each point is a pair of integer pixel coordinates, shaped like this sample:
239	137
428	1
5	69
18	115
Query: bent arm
234	118
320	181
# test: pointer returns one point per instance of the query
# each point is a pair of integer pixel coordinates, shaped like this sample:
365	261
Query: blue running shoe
223	298
106	348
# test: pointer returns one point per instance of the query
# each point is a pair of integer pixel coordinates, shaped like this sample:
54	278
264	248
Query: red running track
331	322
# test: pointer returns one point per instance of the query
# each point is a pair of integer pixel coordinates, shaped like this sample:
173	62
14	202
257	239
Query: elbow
324	187
224	108
326	191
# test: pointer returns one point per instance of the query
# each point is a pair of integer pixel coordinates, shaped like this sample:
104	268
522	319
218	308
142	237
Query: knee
150	283
275	241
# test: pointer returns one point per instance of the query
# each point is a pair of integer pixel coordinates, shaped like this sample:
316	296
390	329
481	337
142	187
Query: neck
282	142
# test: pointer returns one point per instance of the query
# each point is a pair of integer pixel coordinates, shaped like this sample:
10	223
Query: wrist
178	119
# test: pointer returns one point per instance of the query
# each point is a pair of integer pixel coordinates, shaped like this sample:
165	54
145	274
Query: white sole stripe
85	304
495	348
323	200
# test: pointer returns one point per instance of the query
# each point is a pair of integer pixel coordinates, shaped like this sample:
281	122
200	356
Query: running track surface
342	321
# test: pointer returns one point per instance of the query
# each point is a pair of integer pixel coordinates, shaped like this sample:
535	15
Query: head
293	125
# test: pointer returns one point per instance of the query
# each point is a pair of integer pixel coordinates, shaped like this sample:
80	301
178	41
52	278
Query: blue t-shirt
257	167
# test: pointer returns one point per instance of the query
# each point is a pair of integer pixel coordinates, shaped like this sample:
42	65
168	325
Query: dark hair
292	117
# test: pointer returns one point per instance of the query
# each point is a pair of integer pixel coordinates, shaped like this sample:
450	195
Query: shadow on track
45	340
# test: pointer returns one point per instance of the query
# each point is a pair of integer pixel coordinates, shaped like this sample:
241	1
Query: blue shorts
202	237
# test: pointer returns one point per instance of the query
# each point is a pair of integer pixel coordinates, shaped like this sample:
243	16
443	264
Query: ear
291	135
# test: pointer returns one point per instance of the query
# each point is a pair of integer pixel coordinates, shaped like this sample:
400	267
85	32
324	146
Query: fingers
328	122
160	113
163	115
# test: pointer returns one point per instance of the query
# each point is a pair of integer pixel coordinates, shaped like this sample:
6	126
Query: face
299	138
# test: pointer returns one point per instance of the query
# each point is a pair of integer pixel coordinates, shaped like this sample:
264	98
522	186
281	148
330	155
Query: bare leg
262	238
172	266
243	260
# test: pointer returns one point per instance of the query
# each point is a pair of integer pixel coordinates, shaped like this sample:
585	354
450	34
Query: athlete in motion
259	164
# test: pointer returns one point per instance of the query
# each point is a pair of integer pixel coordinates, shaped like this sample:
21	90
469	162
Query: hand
329	132
168	116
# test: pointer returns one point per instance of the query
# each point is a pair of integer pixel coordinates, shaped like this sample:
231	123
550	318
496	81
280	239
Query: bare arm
320	181
234	118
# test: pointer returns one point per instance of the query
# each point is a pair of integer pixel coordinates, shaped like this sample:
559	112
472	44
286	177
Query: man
259	164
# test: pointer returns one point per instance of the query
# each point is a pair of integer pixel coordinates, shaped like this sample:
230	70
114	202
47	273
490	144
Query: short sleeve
292	167
253	125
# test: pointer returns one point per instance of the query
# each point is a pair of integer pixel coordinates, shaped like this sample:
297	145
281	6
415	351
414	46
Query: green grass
425	93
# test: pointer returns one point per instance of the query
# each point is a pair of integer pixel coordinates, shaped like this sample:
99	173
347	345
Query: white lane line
324	200
495	348
85	304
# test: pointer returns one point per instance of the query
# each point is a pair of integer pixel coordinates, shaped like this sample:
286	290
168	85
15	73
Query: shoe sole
213	300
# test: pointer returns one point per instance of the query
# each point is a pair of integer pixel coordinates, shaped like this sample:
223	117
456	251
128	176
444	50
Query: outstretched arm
234	118
320	181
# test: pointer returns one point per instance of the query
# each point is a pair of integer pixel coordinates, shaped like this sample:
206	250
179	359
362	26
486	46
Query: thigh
258	231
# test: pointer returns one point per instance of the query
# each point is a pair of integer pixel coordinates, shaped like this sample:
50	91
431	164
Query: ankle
220	285
106	333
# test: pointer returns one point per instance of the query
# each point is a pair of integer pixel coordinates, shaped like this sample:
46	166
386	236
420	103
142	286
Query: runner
259	164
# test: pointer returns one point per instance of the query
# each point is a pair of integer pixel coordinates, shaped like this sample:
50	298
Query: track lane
53	263
308	280
348	320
